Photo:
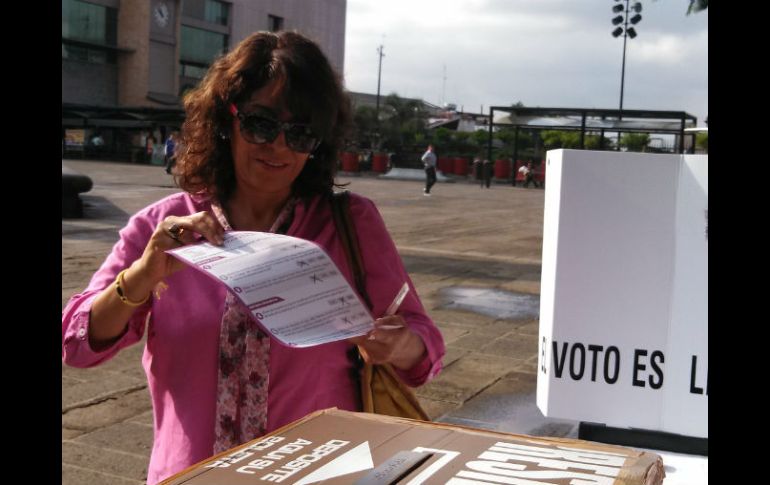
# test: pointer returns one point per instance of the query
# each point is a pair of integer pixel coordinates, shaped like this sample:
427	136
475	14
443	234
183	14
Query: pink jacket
180	357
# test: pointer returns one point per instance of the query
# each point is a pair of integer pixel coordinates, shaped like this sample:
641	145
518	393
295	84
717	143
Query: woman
260	145
149	147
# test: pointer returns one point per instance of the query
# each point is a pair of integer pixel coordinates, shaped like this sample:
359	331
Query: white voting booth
624	291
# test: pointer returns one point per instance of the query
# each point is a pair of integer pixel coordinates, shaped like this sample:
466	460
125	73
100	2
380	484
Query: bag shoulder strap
401	400
343	222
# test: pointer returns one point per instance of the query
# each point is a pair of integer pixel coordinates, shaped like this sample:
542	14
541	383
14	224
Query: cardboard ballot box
341	447
624	291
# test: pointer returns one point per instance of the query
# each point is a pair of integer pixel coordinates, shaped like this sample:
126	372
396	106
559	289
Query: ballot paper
290	286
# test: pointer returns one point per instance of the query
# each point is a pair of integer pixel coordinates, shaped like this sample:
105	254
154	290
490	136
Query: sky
547	53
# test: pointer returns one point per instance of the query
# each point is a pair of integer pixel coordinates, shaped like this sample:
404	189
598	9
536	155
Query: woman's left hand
397	346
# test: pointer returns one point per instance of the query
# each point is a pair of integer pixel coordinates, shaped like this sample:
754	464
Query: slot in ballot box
342	447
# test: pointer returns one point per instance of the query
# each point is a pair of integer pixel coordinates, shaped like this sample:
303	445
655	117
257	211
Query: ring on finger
175	232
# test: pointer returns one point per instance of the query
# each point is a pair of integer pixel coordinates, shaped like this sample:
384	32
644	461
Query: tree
506	139
702	141
553	139
364	126
505	135
442	139
697	6
594	142
480	137
462	143
401	122
635	142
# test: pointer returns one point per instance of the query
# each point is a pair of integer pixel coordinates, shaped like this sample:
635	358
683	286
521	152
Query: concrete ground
464	247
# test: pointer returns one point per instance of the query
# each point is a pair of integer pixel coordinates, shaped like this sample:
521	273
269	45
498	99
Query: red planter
349	162
540	173
461	166
379	162
502	169
516	166
445	165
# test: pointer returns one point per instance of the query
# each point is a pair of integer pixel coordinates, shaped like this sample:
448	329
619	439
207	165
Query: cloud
543	53
669	49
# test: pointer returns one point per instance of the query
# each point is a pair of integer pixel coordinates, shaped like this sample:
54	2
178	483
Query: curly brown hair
312	91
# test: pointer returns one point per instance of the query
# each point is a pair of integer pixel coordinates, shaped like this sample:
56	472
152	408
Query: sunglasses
260	129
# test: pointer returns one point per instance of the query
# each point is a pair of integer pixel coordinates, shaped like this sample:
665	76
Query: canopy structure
78	116
591	120
122	128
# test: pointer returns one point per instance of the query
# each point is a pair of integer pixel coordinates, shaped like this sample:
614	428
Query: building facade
127	63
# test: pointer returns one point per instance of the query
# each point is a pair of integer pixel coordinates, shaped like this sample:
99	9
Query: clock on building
161	14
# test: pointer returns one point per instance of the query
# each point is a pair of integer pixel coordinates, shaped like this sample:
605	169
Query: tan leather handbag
382	391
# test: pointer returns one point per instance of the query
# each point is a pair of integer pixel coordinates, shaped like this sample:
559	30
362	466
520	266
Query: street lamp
379	72
377	111
626	31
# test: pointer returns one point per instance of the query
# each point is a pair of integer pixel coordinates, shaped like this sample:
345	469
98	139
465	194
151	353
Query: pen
393	308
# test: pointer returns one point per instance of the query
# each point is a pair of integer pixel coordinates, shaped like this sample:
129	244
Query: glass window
89	22
88	54
201	46
216	12
74	52
274	23
192	70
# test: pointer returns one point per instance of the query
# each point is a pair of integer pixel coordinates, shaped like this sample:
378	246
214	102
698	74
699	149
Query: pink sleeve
76	350
385	274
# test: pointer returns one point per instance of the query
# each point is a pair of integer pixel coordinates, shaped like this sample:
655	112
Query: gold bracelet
119	284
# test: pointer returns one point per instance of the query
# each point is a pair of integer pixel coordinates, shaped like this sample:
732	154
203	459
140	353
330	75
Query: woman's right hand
109	315
155	264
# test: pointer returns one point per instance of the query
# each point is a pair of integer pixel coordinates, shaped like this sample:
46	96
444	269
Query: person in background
528	173
97	140
366	164
393	159
261	136
168	151
97	145
477	170
486	173
429	162
150	147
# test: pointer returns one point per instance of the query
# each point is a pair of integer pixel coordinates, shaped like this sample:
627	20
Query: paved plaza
467	250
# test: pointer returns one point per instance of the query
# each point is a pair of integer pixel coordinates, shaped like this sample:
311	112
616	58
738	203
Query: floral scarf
244	362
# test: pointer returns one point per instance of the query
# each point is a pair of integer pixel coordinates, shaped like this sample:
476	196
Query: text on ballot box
624	291
335	447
